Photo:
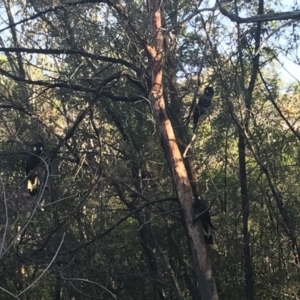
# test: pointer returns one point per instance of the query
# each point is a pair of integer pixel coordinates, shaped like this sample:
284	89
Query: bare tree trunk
249	289
200	253
245	213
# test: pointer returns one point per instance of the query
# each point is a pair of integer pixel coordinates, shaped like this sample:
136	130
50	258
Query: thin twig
6	217
15	240
272	33
45	270
88	281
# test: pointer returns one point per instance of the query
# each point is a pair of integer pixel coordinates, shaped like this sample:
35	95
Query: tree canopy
110	89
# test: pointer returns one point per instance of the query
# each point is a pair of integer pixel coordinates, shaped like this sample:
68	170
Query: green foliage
91	240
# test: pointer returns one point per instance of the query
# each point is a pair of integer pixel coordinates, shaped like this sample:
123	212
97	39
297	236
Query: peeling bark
200	254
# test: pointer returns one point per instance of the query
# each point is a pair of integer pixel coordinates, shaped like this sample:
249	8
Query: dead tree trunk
200	254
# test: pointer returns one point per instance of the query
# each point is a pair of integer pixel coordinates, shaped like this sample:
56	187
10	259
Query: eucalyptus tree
111	87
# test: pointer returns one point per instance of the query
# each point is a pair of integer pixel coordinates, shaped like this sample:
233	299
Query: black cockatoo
203	105
31	163
201	212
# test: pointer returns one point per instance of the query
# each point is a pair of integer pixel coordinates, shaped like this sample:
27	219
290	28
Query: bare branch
8	292
272	33
6	218
100	235
47	84
73	52
21	231
75	87
92	282
295	15
46	269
